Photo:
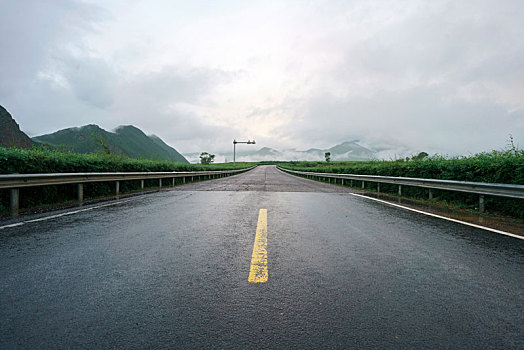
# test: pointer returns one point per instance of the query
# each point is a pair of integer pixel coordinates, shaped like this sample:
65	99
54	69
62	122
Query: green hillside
125	140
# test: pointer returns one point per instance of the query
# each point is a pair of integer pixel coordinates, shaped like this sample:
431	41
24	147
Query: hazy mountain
266	151
349	150
126	140
10	133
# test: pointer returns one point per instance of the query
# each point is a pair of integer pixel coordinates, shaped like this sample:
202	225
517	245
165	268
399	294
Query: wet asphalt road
170	270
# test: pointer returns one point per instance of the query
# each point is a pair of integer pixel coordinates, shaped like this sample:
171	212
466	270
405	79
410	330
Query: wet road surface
170	270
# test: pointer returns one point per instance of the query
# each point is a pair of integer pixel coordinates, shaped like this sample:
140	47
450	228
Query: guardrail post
351	183
378	187
191	178
117	187
482	206
15	201
159	183
342	180
430	194
80	192
173	182
363	184
400	190
183	179
142	184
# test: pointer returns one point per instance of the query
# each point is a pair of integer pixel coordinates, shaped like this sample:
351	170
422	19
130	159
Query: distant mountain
349	150
267	152
10	133
126	140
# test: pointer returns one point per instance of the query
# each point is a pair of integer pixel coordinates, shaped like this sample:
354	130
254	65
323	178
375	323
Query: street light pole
235	149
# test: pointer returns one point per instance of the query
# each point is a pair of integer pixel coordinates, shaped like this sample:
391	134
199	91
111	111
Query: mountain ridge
126	140
348	150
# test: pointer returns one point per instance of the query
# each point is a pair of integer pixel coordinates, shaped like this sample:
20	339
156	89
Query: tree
420	156
206	158
327	155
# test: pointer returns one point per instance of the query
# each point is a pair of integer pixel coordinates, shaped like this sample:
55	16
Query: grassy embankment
495	167
51	161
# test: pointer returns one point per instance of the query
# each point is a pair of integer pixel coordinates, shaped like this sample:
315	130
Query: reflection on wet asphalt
170	270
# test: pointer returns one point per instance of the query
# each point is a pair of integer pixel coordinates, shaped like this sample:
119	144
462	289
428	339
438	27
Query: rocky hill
10	133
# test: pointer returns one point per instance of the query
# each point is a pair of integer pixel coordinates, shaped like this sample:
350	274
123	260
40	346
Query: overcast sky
438	76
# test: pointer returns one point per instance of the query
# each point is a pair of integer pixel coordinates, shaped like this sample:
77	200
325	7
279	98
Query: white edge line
441	217
64	214
12	225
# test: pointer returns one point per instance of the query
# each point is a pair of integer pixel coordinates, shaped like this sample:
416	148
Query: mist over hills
349	150
130	141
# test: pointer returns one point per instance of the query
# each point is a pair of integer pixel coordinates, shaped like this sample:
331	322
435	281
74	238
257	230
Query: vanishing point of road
261	260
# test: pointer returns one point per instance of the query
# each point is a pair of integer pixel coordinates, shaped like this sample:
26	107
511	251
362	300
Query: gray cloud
413	120
440	76
26	36
91	80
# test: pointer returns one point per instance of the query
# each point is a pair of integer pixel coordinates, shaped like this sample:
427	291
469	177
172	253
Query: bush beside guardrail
41	161
15	182
478	188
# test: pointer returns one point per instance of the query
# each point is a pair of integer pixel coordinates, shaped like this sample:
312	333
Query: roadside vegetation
506	166
206	158
43	160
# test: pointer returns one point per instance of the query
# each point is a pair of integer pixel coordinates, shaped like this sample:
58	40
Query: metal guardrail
16	181
480	188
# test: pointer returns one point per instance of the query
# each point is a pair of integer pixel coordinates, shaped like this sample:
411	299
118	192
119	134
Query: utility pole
235	149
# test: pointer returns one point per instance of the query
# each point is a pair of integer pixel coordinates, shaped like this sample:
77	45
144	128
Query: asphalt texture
170	271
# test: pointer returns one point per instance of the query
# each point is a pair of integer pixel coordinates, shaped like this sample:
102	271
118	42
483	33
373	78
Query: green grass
505	166
41	160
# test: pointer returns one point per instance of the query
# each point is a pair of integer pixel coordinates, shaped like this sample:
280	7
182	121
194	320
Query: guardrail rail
14	182
480	188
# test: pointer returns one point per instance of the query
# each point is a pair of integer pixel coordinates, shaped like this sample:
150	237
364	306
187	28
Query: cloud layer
404	76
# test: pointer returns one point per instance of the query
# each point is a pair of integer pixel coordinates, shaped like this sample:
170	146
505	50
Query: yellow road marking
258	271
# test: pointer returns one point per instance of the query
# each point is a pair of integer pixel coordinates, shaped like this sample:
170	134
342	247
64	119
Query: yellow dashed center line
258	271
